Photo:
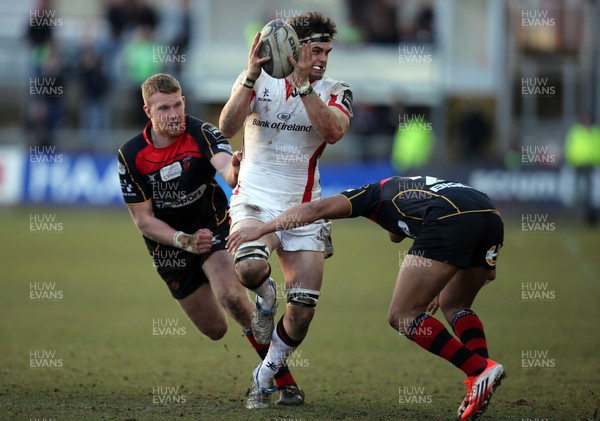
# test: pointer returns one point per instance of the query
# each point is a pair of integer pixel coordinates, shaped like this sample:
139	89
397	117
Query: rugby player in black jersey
167	179
457	235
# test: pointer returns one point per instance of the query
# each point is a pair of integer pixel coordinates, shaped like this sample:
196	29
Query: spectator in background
141	62
363	126
116	15
424	31
46	111
381	24
46	76
473	132
124	15
180	41
40	31
129	21
93	79
582	152
377	20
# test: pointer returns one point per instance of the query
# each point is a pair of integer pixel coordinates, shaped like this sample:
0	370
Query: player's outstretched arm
334	207
228	166
155	229
236	109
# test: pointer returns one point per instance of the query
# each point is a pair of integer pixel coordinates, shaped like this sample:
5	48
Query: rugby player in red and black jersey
167	175
457	235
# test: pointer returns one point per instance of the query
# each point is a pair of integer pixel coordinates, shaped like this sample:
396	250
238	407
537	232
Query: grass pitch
81	305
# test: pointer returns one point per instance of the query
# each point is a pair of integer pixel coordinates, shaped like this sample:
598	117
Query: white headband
316	38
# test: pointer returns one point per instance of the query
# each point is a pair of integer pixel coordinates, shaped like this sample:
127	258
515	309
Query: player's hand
241	236
234	168
302	67
236	160
434	305
254	61
201	241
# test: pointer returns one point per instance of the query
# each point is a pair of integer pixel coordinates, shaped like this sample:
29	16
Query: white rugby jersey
281	148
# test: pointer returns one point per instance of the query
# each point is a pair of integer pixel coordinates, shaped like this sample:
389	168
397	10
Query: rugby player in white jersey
287	125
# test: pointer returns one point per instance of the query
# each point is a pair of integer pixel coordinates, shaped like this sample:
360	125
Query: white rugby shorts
312	237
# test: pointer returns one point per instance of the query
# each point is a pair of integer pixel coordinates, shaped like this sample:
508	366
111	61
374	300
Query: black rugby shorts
465	240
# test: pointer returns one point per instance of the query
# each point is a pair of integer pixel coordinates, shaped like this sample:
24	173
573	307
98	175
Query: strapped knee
303	297
253	250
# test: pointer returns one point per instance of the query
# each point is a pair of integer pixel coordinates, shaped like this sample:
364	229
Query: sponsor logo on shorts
491	255
405	229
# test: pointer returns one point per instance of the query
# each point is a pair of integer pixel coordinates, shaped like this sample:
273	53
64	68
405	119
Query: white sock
266	295
278	354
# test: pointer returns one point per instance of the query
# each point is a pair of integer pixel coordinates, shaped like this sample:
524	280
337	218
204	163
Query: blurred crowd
385	22
130	41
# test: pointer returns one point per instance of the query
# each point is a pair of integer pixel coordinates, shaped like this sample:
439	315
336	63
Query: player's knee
401	320
392	320
396	321
251	263
215	331
252	272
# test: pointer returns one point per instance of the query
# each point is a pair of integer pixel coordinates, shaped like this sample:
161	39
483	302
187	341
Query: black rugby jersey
178	179
401	204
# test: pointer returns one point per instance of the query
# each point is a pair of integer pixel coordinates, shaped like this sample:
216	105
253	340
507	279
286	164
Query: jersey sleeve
210	139
341	97
364	201
133	186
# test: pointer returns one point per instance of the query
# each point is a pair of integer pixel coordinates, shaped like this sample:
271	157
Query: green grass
351	364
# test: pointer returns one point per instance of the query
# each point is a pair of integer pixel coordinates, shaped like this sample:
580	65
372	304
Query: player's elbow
143	224
226	129
231	121
333	135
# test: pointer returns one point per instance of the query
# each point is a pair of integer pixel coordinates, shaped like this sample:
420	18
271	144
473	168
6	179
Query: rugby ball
279	40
